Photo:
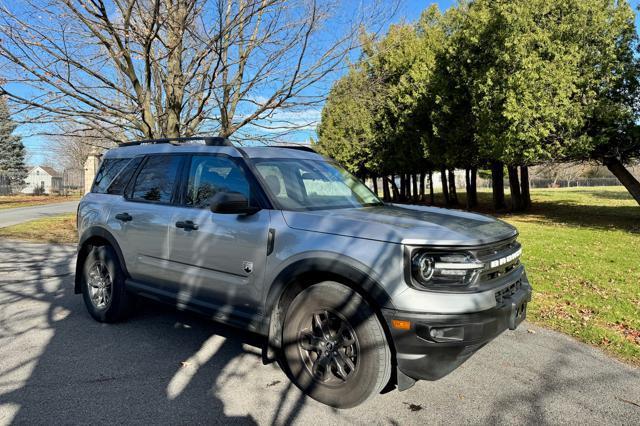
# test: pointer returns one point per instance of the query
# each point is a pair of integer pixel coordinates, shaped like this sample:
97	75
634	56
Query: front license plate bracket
518	314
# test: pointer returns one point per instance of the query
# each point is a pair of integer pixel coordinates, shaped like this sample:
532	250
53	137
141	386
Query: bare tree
121	69
71	148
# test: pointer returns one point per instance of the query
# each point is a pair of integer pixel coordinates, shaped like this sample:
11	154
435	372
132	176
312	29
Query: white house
42	177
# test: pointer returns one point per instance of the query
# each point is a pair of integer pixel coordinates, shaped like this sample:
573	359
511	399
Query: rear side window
120	182
109	169
157	179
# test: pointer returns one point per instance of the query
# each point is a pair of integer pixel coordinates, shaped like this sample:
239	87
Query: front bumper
433	345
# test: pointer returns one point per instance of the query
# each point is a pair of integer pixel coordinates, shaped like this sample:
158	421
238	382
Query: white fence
559	183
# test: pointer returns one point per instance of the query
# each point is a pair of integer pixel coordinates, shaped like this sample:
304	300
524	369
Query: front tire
334	346
103	286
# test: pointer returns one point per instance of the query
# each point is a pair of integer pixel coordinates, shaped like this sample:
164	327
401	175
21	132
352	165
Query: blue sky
409	11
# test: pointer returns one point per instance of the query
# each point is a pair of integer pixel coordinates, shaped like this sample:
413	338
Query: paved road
164	367
9	217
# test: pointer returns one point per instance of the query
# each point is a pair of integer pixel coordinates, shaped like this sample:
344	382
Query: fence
559	183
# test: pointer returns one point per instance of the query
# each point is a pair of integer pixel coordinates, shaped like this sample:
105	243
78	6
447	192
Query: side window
156	179
121	181
109	169
209	175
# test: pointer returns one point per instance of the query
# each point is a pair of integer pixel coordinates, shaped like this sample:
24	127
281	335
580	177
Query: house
43	177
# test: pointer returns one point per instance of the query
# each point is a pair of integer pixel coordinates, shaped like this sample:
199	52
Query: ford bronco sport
352	294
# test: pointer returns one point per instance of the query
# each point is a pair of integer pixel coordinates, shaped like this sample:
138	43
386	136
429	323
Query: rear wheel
334	346
103	287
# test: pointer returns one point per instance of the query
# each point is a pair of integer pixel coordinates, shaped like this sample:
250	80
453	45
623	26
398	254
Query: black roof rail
208	140
299	147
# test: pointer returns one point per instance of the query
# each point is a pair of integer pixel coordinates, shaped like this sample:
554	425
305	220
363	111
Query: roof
49	170
188	148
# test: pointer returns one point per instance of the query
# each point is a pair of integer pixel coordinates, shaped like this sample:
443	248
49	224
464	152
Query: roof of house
50	171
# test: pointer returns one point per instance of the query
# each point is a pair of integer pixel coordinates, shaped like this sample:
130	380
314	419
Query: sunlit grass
55	229
582	253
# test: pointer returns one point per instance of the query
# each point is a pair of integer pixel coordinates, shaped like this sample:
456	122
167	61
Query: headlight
433	269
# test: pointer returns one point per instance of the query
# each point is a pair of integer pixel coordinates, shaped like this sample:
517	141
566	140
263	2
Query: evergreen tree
11	148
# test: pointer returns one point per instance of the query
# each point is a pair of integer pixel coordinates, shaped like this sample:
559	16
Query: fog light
447	334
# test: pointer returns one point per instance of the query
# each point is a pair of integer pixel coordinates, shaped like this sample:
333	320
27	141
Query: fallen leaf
414	407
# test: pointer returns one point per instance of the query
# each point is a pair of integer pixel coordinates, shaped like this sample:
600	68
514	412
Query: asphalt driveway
57	365
9	217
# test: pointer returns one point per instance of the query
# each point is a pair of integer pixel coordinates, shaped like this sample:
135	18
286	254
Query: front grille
508	252
508	291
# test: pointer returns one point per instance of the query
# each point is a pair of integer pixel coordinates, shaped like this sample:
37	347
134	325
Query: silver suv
353	295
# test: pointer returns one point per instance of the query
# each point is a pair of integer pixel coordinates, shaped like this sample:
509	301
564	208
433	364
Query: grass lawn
54	229
581	249
13	201
582	253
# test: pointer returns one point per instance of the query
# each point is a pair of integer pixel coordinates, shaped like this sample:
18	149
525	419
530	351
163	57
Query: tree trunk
403	187
374	180
467	181
497	183
422	178
407	186
524	185
394	188
432	198
514	185
385	188
474	186
453	193
616	167
414	177
445	187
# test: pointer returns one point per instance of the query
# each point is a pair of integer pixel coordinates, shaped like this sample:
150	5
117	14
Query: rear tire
103	286
334	346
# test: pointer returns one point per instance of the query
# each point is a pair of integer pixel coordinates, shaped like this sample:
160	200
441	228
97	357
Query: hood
404	224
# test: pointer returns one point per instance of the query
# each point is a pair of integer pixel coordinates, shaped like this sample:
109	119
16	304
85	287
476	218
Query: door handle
124	217
187	225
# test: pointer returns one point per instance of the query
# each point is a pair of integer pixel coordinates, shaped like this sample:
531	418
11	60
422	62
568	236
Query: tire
106	298
329	316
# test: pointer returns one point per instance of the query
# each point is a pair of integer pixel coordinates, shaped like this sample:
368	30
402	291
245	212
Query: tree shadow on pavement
159	367
57	365
162	366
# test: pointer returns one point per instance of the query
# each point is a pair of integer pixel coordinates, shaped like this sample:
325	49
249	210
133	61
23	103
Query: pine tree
12	150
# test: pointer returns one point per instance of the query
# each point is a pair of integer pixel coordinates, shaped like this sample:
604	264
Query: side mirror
231	203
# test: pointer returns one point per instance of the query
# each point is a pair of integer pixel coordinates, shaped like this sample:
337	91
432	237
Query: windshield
313	185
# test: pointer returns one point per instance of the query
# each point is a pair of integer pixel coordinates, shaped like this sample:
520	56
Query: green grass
586	281
55	229
581	250
582	254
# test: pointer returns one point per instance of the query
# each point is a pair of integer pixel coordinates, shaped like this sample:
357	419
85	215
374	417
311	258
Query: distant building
43	177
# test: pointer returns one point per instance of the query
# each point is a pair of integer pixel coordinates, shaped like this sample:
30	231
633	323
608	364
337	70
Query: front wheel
334	346
103	286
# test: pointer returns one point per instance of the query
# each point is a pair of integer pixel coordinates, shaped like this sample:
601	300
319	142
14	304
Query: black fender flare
86	238
305	272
